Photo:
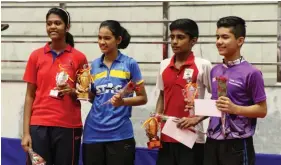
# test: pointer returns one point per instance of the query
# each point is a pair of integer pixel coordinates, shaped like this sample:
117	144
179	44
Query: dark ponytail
117	30
64	15
126	38
69	39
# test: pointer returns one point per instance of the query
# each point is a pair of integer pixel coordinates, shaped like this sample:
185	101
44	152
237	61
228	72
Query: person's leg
66	145
41	143
184	155
210	152
166	155
93	154
237	152
121	152
250	153
198	150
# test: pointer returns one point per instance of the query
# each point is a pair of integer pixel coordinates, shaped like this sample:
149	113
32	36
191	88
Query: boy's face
226	42
181	42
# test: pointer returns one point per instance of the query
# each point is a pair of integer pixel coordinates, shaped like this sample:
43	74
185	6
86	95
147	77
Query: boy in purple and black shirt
244	103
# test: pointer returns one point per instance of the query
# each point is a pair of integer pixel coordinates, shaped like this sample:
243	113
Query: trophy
222	91
191	92
84	80
152	125
35	158
61	79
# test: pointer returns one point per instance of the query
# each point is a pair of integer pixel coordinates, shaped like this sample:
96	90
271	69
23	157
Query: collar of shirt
48	49
189	60
118	59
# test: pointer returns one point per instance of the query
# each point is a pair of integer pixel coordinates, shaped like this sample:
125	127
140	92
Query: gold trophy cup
84	79
152	126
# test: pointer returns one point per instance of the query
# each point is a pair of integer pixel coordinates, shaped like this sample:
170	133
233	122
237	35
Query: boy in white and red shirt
172	78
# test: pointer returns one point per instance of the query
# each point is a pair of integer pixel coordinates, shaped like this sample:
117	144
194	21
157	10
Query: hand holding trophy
84	80
61	79
191	92
222	91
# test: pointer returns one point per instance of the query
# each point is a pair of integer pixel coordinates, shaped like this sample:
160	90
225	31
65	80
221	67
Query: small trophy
61	79
84	80
35	158
191	92
152	126
222	91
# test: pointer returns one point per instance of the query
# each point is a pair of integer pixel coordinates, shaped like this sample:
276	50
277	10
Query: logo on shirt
188	73
107	88
235	82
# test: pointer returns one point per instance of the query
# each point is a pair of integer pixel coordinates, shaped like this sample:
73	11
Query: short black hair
237	25
187	25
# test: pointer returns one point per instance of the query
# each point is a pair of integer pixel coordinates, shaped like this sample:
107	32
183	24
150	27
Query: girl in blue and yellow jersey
108	137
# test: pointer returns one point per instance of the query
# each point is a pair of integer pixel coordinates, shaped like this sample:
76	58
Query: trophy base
154	144
83	96
55	94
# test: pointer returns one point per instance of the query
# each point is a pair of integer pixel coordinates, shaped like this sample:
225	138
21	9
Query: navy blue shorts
110	153
179	154
57	145
229	152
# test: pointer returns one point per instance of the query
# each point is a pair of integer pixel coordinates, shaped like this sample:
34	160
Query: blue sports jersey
108	123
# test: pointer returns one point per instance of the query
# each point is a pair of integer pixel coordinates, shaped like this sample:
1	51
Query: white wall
141	52
268	136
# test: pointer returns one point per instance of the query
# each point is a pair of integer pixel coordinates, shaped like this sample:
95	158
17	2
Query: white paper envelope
204	107
184	136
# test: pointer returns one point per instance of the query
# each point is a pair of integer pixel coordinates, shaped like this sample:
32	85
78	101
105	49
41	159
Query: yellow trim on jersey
120	74
140	82
99	75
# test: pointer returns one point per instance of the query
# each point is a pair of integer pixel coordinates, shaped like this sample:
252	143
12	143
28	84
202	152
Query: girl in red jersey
52	126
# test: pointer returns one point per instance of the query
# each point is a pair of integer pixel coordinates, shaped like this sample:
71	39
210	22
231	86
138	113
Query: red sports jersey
41	70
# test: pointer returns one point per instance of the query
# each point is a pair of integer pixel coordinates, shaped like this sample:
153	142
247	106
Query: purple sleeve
256	86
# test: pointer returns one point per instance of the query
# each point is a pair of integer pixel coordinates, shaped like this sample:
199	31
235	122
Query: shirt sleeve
256	86
159	80
30	74
135	72
207	76
84	60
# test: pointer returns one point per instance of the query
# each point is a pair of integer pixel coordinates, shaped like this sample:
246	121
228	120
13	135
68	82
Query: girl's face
55	27
107	41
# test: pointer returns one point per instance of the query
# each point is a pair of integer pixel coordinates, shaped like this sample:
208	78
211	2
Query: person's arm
29	99
160	103
255	87
139	99
136	78
30	76
160	106
258	110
